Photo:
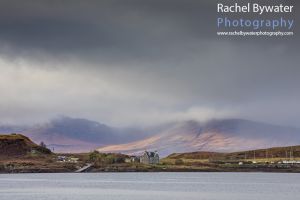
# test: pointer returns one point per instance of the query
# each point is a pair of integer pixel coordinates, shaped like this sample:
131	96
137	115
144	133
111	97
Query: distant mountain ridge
227	135
66	134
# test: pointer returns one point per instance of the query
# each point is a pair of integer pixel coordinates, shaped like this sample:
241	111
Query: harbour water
146	186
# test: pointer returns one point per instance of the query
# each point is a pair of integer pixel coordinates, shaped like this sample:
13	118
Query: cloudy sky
128	62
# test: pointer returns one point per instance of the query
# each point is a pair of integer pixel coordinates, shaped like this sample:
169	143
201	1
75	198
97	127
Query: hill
18	145
195	155
286	153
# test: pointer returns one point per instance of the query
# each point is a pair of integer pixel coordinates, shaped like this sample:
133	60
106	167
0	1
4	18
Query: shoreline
220	170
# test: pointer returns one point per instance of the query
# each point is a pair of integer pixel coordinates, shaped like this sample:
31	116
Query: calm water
141	186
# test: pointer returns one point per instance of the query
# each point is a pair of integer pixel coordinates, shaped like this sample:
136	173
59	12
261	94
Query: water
144	186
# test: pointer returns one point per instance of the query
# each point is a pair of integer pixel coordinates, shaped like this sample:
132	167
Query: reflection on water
142	186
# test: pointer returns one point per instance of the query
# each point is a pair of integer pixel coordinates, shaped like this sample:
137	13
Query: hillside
229	135
18	145
288	152
195	155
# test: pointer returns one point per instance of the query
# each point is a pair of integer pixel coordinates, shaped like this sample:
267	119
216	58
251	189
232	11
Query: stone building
149	158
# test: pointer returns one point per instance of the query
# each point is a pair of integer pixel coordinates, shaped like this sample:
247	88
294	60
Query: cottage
67	159
149	158
73	160
291	162
132	159
61	158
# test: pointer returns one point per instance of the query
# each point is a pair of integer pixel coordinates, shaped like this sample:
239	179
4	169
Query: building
291	162
132	159
73	160
149	158
67	159
61	158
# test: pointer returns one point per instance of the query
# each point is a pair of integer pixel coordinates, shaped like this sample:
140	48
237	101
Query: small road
85	168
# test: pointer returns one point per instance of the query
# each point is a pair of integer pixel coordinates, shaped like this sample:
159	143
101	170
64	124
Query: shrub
179	162
94	156
42	149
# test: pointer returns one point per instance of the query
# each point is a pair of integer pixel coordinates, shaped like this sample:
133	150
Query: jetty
85	168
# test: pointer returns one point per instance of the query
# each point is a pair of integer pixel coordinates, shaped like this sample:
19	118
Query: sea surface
142	186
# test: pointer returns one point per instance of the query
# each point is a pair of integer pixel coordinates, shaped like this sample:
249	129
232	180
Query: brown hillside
276	152
18	145
195	155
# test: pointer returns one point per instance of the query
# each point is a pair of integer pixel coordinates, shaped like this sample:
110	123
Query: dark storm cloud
119	29
160	57
106	25
112	30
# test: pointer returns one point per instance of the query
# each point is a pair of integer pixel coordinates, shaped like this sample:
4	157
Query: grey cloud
112	30
139	61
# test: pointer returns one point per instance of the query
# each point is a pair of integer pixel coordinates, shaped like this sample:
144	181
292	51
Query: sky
140	62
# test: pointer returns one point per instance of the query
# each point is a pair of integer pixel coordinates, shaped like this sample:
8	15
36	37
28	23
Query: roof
151	153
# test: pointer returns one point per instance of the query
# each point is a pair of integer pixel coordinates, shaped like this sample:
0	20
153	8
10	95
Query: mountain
226	135
66	134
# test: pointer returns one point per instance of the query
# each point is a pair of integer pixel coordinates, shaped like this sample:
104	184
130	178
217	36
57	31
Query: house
33	151
132	159
291	162
73	160
61	158
149	158
67	159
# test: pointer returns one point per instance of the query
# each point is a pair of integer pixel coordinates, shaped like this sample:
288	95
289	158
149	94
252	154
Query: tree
109	159
94	156
42	144
42	148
